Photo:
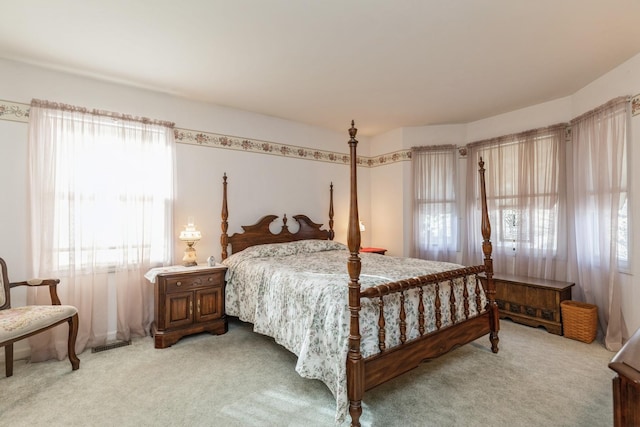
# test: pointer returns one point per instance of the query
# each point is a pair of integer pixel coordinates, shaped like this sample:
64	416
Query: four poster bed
394	313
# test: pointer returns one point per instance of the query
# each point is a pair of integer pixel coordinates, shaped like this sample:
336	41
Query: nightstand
188	300
380	251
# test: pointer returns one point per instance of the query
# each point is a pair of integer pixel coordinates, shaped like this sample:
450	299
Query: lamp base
189	259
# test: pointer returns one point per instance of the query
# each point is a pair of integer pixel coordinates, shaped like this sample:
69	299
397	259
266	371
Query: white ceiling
385	63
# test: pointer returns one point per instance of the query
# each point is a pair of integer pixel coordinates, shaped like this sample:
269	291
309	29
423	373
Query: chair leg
71	342
8	359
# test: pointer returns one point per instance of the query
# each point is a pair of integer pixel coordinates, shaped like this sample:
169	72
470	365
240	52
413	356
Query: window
435	208
101	195
525	177
525	191
623	233
599	140
109	182
105	192
600	184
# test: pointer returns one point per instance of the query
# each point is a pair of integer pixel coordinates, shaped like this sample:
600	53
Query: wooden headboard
259	233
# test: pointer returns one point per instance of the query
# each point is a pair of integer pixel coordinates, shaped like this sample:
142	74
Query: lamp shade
190	234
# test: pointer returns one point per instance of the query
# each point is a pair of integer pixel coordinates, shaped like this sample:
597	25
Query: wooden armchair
22	322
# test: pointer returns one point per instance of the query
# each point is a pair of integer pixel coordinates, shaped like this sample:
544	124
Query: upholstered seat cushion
21	321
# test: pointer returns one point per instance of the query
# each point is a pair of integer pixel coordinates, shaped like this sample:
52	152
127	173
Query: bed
358	325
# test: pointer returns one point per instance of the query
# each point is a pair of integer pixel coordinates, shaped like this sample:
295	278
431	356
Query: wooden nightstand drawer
182	282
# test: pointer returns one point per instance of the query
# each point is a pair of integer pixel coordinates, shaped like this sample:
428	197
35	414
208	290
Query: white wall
256	182
13	209
536	116
386	227
386	222
259	184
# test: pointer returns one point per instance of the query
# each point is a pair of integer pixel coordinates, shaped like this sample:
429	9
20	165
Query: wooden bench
530	301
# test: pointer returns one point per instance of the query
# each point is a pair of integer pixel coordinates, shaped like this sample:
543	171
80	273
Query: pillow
285	249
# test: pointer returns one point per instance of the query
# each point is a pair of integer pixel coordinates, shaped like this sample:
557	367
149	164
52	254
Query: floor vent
110	346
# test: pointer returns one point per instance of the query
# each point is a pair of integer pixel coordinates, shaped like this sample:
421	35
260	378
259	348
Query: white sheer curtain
526	197
435	225
101	195
599	183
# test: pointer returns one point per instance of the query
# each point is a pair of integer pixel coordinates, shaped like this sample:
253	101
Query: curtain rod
102	113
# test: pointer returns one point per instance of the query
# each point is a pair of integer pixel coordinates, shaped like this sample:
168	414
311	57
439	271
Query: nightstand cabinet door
188	302
210	304
178	309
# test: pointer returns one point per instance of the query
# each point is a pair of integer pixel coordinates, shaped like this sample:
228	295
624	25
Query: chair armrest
51	283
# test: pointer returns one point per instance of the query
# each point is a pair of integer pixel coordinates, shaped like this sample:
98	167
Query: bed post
331	232
224	237
355	364
488	263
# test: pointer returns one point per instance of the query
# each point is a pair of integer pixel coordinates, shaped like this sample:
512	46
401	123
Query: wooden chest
530	301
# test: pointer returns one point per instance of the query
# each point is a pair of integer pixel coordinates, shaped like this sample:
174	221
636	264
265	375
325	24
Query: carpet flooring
245	379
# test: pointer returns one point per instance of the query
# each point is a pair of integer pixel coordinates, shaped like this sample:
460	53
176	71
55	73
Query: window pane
623	233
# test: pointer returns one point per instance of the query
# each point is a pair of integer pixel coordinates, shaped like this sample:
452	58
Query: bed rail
421	283
415	282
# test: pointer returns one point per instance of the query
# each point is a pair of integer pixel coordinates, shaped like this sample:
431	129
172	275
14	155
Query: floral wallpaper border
193	137
635	105
14	111
20	113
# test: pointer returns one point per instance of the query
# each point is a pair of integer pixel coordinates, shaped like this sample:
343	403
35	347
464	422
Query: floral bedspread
297	293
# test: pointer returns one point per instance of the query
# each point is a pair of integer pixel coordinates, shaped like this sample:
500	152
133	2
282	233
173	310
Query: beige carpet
245	379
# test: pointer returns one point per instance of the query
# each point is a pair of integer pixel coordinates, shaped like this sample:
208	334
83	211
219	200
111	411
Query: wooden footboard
385	366
449	333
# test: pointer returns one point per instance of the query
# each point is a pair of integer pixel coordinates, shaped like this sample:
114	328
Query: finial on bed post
331	232
355	363
487	249
224	238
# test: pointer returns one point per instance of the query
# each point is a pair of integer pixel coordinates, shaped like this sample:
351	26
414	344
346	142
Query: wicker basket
579	320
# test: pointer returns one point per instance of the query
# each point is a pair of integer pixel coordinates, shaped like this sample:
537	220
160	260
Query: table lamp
190	236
